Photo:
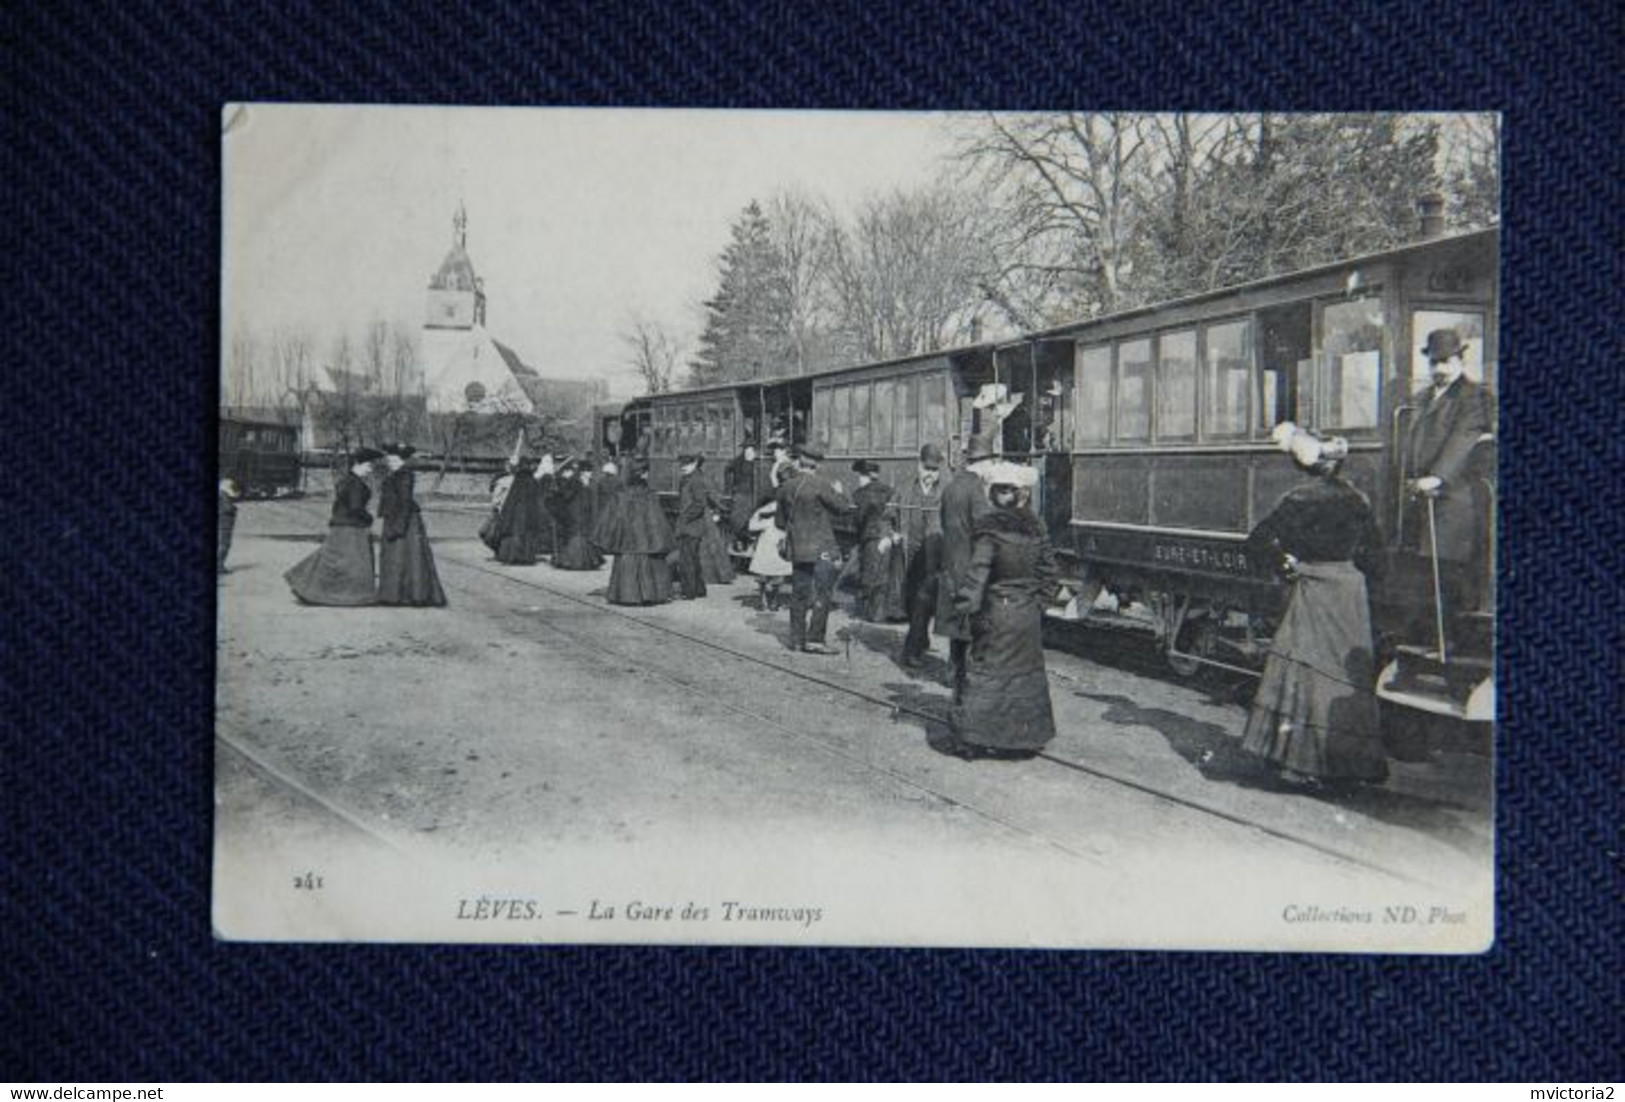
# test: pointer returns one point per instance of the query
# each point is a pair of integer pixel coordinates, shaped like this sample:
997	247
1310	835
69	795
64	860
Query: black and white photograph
1034	529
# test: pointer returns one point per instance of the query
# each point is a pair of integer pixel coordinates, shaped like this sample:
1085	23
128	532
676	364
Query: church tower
456	295
464	369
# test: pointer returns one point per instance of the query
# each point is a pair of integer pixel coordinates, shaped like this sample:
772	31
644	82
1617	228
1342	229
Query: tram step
1422	670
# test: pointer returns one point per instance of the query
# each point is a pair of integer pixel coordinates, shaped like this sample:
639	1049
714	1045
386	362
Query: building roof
519	367
456	273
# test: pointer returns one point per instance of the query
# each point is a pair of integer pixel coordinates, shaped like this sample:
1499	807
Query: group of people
963	552
341	572
960	554
561	509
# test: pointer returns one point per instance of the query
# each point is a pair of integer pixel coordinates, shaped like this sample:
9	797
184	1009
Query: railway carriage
1164	415
1151	432
261	456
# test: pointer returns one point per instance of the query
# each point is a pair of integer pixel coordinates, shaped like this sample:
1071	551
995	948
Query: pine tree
747	330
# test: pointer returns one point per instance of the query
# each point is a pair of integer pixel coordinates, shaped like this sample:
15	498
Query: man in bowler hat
807	507
964	499
1458	414
919	522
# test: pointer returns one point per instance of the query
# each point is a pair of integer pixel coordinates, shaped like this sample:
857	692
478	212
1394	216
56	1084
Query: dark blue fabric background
106	961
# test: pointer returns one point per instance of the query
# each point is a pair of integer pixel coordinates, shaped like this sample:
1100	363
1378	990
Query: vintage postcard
1053	529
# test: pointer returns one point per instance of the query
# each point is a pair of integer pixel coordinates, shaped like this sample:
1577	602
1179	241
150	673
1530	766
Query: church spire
459	225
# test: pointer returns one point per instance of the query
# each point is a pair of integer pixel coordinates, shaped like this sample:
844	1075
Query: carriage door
1052	430
1286	379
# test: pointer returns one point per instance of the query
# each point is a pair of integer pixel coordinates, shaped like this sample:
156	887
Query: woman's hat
1307	448
812	449
978	447
365	455
1444	344
1004	473
866	466
685	460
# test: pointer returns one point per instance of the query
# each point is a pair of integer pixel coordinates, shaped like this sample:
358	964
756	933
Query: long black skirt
406	573
577	554
1316	709
1006	702
716	567
340	572
639	580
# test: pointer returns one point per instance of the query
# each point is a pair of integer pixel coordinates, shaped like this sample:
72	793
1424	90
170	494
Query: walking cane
1438	588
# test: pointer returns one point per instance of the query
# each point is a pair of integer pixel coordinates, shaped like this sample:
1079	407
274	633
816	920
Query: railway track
633	645
889	708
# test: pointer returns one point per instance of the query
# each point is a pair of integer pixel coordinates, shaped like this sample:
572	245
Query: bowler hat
931	456
365	455
405	451
978	447
1444	344
685	460
866	466
812	449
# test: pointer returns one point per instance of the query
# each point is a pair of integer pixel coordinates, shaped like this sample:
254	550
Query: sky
577	218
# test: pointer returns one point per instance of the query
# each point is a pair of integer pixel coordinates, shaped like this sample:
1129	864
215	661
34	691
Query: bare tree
800	228
1072	189
905	273
1472	170
652	351
242	381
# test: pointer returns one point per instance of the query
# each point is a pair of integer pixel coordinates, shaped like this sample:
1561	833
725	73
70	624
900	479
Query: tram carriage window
725	430
1176	386
1093	415
1470	326
934	411
1285	375
1134	369
840	418
820	419
713	429
908	414
882	416
1229	367
860	417
1351	341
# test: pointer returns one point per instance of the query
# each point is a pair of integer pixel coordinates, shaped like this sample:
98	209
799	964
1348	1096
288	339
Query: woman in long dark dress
571	506
1005	710
520	525
1315	715
406	573
635	530
340	572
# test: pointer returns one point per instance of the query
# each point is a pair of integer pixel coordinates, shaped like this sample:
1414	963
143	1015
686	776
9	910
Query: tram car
262	457
1151	432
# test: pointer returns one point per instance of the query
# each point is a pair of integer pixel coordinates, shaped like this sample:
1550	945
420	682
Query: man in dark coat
1459	414
807	506
880	563
919	523
964	499
693	514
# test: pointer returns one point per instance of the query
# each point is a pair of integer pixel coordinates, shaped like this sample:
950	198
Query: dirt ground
531	726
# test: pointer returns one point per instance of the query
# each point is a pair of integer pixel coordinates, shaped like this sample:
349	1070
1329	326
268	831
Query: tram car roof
1070	328
1283	278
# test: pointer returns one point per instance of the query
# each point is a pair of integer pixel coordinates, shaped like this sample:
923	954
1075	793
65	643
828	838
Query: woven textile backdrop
112	319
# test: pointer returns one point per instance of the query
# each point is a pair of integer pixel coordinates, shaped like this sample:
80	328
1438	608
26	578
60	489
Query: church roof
456	272
519	367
